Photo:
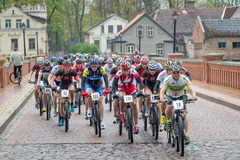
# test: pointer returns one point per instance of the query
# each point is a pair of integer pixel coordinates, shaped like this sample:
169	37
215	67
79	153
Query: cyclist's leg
35	90
75	94
89	90
169	109
115	107
71	87
100	90
121	102
15	71
148	91
20	70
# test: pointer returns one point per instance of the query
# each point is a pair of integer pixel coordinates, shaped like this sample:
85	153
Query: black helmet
47	63
60	60
67	63
65	57
79	61
176	68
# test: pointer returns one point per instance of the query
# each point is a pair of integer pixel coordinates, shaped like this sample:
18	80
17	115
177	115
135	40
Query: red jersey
136	63
79	70
140	69
126	82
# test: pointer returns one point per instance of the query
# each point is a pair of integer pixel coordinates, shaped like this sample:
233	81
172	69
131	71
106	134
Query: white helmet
114	56
110	60
40	60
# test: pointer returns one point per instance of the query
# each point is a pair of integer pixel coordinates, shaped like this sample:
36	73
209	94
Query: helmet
125	65
66	63
118	61
152	65
176	68
79	61
136	51
138	57
65	57
40	60
168	64
144	60
60	60
53	59
96	56
178	62
93	61
47	63
125	57
129	60
74	57
110	60
101	59
155	59
114	56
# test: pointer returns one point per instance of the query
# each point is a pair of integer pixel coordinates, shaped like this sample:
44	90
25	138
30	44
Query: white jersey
175	88
108	69
161	77
54	70
133	67
159	67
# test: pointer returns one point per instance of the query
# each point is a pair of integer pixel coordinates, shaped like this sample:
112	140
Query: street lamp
139	36
37	42
174	17
24	28
120	42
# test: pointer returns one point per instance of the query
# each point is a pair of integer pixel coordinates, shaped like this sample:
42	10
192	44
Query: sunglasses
152	69
175	72
94	66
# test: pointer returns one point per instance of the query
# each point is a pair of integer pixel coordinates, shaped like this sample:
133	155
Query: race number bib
65	93
153	98
128	99
178	105
48	90
95	96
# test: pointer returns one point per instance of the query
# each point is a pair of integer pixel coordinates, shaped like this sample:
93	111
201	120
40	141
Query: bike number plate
65	93
48	90
153	98
128	99
95	96
178	105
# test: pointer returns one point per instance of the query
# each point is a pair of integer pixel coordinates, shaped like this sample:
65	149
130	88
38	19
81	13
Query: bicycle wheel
66	106
144	109
110	101
130	125
175	137
40	104
156	121
13	79
19	78
119	120
181	135
98	120
94	119
48	107
151	120
79	102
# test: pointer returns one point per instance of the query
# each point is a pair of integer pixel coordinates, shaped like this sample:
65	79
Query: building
11	32
187	19
101	33
154	40
217	36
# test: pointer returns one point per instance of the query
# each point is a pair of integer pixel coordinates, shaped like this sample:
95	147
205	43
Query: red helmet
144	60
125	65
125	57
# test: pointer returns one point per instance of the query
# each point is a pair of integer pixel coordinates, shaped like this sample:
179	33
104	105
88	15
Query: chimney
190	6
141	11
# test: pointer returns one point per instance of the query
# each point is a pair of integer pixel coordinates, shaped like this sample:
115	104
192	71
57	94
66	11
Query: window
102	28
139	31
110	28
108	44
28	23
31	43
13	12
150	31
14	43
96	42
235	44
18	23
119	27
198	46
130	48
221	44
8	23
160	49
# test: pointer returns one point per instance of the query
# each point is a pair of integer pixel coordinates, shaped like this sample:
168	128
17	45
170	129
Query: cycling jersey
54	70
37	68
136	63
79	70
159	66
184	70
45	74
114	71
108	69
149	80
66	78
175	88
102	64
139	69
162	76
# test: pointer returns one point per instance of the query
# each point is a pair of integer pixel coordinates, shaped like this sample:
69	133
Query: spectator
17	59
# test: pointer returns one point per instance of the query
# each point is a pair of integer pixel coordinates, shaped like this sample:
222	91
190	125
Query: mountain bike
144	110
79	102
16	80
154	115
39	99
48	92
96	117
118	119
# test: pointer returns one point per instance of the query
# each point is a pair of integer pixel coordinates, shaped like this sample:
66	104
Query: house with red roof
146	35
101	33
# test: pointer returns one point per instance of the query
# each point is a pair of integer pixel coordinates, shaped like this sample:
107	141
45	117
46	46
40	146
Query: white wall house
102	33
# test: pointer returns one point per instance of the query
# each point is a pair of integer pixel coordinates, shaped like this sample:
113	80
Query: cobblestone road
213	129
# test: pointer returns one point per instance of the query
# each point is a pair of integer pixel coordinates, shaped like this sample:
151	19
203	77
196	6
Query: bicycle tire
157	121
119	120
48	107
143	114
66	106
40	104
79	102
151	120
98	120
110	101
19	78
169	136
130	124
11	78
175	142
181	135
94	119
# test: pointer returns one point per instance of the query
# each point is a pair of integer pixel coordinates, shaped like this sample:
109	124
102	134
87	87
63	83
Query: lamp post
24	28
37	42
174	17
120	42
139	36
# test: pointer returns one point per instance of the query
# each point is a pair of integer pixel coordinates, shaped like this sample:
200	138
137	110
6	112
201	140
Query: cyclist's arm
193	93
50	78
140	82
103	82
189	75
105	77
39	79
114	84
156	86
30	75
109	77
84	77
162	92
78	79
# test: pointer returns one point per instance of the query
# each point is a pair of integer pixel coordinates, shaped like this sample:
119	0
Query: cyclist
137	60
36	68
66	74
57	81
91	81
124	82
113	73
43	74
149	77
158	84
140	68
114	57
65	57
109	66
101	61
130	61
184	70
174	85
